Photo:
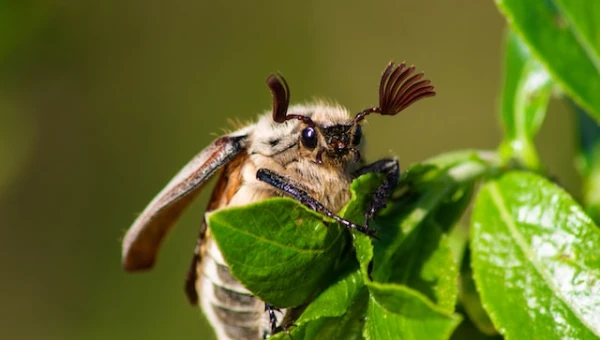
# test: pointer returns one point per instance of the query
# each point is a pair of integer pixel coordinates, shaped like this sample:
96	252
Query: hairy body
229	306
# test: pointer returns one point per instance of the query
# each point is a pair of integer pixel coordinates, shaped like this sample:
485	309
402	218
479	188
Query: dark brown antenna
281	96
398	89
281	100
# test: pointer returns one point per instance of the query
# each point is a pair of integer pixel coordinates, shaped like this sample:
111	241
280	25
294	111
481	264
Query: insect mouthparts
340	146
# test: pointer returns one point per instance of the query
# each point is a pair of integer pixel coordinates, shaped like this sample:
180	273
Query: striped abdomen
231	309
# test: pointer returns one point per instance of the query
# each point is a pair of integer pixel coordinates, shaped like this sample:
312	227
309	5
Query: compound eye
357	136
309	138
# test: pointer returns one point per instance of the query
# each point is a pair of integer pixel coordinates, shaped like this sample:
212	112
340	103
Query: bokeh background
102	102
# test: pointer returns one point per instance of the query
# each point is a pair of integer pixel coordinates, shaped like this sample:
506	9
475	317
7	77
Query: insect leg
192	274
303	197
272	317
391	169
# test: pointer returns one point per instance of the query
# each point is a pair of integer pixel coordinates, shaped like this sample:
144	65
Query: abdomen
231	309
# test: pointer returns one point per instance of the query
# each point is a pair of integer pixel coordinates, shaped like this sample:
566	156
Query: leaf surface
525	96
536	259
563	35
278	249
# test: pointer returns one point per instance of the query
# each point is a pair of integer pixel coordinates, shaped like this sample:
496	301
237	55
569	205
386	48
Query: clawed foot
273	322
367	230
272	317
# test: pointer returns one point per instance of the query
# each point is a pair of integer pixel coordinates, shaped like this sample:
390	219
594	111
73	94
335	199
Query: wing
143	239
227	185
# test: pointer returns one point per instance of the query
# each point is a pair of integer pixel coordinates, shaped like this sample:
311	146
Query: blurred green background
102	102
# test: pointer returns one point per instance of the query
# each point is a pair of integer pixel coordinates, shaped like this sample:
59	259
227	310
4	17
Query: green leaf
363	244
349	326
281	251
423	191
425	263
584	16
458	239
414	286
470	299
336	313
337	298
563	35
414	250
525	96
536	259
397	312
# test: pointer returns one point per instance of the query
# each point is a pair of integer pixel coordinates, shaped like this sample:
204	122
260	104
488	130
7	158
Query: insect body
310	153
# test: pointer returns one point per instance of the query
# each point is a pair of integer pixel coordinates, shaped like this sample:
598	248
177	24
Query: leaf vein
284	246
505	215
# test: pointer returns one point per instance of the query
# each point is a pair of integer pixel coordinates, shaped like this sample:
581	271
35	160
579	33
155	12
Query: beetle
308	152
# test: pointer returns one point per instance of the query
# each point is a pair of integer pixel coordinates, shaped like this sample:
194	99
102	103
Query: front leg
285	185
272	317
391	169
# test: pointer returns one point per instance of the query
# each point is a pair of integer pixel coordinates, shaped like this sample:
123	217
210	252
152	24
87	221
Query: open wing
143	239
